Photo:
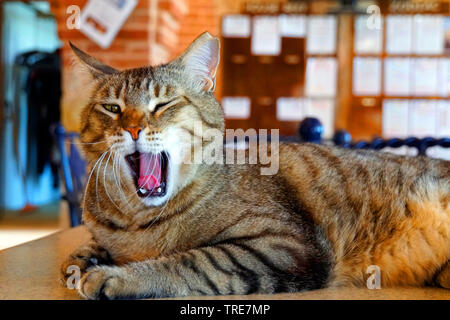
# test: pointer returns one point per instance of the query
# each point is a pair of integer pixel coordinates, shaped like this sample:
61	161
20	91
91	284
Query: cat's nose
134	131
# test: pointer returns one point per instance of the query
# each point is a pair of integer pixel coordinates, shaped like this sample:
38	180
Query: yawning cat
165	226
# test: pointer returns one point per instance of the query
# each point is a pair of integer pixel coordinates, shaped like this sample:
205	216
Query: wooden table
31	271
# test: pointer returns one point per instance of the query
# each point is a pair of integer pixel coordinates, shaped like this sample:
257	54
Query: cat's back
314	162
354	181
375	208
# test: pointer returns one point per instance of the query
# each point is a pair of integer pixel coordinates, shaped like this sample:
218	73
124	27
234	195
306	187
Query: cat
193	229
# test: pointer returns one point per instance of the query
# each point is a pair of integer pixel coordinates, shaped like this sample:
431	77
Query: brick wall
149	36
156	32
202	16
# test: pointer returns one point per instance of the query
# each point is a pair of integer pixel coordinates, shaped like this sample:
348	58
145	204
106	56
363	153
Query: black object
311	130
73	170
37	75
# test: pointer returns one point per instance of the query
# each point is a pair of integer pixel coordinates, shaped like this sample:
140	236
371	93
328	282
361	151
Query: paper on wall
399	34
429	34
321	77
395	118
236	107
423	118
443	126
236	25
367	40
425	77
366	76
292	25
100	20
266	38
321	38
443	129
290	109
444	77
397	76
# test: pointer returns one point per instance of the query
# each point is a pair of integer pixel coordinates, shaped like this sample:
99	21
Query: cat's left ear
95	67
201	60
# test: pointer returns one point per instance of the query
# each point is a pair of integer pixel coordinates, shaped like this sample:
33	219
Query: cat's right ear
95	67
201	60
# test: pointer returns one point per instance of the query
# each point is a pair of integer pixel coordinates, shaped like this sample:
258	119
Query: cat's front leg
83	258
237	268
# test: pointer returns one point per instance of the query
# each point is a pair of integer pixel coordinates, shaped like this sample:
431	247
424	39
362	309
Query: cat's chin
149	172
155	201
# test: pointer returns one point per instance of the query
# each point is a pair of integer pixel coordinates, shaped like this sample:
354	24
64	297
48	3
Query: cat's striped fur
321	221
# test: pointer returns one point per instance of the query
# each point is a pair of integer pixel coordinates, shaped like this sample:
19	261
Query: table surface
31	271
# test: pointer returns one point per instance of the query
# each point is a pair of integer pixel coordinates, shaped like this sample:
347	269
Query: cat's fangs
144	190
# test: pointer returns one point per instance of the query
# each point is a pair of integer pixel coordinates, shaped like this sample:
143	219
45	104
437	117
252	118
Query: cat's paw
443	278
104	282
81	260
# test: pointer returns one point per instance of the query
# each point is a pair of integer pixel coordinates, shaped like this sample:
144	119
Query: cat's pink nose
134	131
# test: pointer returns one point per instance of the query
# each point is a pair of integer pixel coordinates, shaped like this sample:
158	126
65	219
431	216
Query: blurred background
372	68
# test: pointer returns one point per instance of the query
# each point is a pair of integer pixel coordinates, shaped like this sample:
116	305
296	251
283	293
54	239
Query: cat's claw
103	282
83	260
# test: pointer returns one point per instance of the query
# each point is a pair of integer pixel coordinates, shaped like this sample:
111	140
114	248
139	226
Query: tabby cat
165	227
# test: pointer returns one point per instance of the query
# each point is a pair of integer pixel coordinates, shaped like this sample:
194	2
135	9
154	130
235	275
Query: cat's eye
161	105
114	108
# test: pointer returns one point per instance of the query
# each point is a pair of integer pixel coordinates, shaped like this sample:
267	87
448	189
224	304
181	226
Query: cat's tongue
149	171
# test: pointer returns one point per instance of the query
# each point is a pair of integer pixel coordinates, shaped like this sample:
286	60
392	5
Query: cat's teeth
143	190
158	190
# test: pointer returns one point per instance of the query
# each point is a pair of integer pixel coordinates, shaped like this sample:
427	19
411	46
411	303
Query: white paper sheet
321	77
100	20
397	75
444	77
425	77
443	129
395	118
429	34
366	76
292	25
290	109
439	153
399	34
367	40
236	25
321	38
423	118
236	107
322	109
266	38
447	35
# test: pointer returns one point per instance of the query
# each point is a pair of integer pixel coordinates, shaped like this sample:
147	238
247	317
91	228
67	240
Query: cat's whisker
116	164
96	179
105	185
163	209
86	143
92	171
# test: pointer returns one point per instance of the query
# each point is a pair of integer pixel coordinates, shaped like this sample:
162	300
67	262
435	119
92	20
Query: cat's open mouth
149	171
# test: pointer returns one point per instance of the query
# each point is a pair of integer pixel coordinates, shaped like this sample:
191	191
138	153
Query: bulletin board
264	64
401	72
273	79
